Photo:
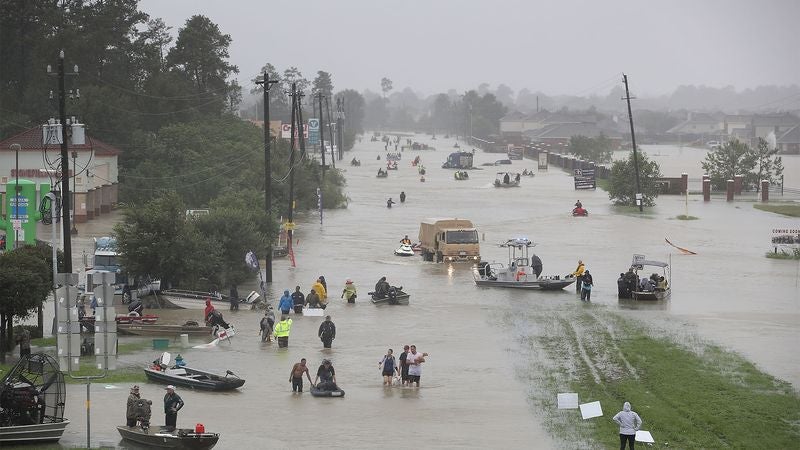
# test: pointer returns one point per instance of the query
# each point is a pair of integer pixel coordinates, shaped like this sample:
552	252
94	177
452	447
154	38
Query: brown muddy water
472	394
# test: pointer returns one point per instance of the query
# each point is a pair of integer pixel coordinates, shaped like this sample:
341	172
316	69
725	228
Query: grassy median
790	209
690	394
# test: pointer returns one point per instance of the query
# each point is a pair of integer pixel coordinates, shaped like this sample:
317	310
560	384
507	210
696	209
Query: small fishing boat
506	180
162	330
521	272
316	392
396	296
183	299
639	264
182	438
191	378
404	250
32	398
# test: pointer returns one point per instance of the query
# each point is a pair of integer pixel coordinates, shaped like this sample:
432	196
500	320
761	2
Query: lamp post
74	229
16	148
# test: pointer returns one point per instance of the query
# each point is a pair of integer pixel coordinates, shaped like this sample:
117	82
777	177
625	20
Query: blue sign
313	131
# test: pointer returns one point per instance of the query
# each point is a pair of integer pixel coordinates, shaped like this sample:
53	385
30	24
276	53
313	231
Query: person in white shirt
414	361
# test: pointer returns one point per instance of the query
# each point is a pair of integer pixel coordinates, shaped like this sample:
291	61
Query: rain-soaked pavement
471	396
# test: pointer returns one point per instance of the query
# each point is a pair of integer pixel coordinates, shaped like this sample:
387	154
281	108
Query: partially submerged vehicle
449	240
522	272
459	160
32	398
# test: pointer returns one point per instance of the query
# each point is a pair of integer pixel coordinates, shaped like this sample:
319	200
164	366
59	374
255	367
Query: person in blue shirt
286	303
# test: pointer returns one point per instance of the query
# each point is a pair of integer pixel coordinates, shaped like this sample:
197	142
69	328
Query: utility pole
330	132
65	198
340	126
639	199
301	125
267	172
322	152
290	214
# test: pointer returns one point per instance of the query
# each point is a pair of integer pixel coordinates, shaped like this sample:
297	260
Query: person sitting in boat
662	284
381	288
326	377
136	308
506	179
215	320
646	285
405	241
578	205
179	362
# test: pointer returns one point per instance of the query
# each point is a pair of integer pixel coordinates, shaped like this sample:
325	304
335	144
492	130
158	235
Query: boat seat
176	371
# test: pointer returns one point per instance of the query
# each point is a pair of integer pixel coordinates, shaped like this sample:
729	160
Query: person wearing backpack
388	368
327	332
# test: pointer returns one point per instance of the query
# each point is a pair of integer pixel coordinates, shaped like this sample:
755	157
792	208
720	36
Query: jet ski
404	250
580	212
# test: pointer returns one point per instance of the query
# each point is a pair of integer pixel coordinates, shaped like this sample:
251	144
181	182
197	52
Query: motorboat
32	398
181	438
404	250
522	272
190	377
177	298
317	392
396	296
651	292
143	329
506	180
580	212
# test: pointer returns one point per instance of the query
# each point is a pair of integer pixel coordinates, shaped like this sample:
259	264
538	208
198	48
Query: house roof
567	130
32	140
775	120
792	136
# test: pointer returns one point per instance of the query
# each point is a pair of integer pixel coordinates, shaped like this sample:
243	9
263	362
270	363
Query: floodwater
471	396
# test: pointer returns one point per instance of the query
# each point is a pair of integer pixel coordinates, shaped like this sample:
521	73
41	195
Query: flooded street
472	394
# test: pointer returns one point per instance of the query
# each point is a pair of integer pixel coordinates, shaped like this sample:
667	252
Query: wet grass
795	254
120	375
44	342
791	210
690	396
685	217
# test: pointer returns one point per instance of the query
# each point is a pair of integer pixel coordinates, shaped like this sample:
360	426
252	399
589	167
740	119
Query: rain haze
559	48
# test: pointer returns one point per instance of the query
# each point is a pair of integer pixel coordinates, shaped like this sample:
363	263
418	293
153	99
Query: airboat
32	398
522	272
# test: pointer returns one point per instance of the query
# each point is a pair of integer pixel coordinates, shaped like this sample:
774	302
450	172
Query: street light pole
267	172
16	148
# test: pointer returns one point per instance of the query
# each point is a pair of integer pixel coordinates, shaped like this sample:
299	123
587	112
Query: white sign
568	401
644	436
286	131
589	410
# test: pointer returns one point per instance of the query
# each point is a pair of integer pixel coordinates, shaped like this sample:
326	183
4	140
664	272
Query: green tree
725	162
354	115
591	149
200	55
24	285
279	108
622	186
386	86
293	75
769	166
156	239
323	84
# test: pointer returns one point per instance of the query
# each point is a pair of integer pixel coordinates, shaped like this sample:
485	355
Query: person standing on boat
130	411
298	300
586	289
349	292
286	303
381	288
327	332
172	404
282	330
578	273
629	423
296	376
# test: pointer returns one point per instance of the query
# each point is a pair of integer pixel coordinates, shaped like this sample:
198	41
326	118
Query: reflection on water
470	396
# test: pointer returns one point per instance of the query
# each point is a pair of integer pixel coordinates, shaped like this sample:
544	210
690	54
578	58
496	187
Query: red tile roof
32	140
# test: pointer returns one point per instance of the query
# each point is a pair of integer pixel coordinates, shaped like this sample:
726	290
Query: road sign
313	131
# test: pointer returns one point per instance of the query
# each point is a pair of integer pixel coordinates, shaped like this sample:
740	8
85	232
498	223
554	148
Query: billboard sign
584	179
313	131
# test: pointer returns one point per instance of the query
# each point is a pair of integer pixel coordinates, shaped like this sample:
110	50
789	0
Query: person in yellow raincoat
321	293
349	292
578	274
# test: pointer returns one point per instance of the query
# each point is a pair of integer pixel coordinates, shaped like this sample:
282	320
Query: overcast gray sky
559	46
